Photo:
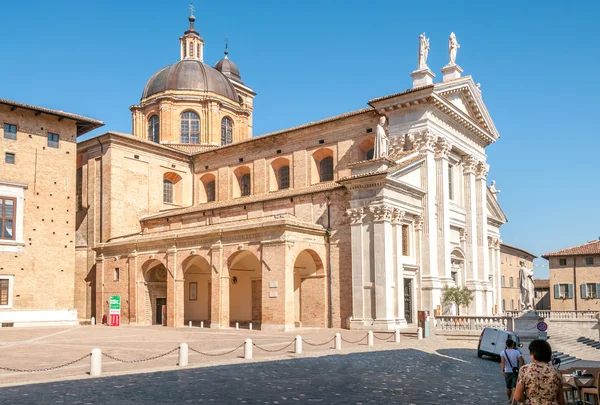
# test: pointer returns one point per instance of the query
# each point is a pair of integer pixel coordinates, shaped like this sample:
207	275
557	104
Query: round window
234	280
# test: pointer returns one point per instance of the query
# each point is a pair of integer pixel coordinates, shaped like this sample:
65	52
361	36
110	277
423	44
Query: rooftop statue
453	46
423	51
493	189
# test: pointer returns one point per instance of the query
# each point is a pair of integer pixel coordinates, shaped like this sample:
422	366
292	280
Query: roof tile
590	248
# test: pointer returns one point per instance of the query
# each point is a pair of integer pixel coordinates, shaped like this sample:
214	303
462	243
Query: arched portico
309	290
245	287
152	294
197	292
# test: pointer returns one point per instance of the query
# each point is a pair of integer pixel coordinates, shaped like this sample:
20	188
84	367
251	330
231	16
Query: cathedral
354	221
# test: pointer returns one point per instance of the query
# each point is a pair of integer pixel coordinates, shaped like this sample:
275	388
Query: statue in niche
493	189
526	287
382	139
423	51
453	46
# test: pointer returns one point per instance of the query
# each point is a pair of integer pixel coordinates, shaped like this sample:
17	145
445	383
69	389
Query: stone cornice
455	113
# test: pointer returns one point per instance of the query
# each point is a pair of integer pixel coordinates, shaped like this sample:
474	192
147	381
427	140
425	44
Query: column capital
482	170
425	141
469	164
442	147
418	223
463	235
381	212
356	215
397	216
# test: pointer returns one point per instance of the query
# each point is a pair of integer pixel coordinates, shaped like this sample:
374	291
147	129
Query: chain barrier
318	344
142	360
216	354
33	370
385	339
273	351
357	341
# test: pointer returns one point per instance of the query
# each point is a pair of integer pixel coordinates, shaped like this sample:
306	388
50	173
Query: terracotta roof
401	93
590	248
274	195
190	148
541	284
84	124
520	250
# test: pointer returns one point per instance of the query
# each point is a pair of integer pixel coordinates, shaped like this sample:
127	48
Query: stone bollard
183	355
93	321
298	344
250	326
201	324
237	325
248	349
370	338
96	363
397	335
420	333
338	341
190	324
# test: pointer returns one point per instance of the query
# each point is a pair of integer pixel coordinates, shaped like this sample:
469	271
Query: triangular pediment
494	209
466	96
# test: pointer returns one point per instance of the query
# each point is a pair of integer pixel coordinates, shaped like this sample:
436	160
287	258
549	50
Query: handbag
515	370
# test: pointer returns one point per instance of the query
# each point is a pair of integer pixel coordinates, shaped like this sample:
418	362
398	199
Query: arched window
503	305
370	153
167	191
511	282
190	127
245	185
503	281
154	129
210	191
191	46
283	176
226	131
326	169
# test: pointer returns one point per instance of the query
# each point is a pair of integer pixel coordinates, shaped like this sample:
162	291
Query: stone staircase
590	342
570	348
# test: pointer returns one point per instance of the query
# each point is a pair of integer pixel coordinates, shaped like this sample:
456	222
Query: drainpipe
329	260
575	280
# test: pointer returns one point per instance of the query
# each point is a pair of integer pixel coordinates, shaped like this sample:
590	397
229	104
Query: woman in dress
539	382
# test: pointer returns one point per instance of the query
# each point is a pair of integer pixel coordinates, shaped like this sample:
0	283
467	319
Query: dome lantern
191	45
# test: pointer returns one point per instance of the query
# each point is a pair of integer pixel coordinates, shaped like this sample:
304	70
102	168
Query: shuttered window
563	291
4	291
7	218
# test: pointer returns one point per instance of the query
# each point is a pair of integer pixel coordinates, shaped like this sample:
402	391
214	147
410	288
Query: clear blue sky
537	62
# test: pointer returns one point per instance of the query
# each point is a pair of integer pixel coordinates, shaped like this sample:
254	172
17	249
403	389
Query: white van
493	341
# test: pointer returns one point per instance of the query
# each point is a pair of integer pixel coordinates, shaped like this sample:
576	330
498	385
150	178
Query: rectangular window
510	260
7	218
450	182
590	290
562	262
9	158
53	140
405	247
117	274
167	191
512	283
512	304
79	188
10	131
563	291
503	281
589	261
503	305
4	291
193	291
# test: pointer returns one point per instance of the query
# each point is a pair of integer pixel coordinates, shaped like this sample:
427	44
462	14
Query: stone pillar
430	287
219	283
356	216
132	278
277	286
482	237
383	249
443	210
175	303
418	227
472	278
498	275
100	305
397	219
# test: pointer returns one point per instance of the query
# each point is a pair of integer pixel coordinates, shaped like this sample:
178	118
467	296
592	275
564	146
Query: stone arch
323	165
197	291
366	148
153	294
241	188
309	290
245	287
172	188
457	266
280	177
207	190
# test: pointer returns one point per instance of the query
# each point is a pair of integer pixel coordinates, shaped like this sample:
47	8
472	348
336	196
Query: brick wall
564	274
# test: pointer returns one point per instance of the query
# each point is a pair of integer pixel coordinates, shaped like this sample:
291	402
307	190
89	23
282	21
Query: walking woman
539	382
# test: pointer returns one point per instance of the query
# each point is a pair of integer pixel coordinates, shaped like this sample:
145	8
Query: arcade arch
309	290
154	292
197	292
245	287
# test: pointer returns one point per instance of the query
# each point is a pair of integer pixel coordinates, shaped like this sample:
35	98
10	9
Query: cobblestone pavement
406	376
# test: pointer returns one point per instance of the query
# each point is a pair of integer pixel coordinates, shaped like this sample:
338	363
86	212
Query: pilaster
219	314
277	303
482	238
442	150
472	276
174	290
397	222
356	217
383	266
132	267
100	307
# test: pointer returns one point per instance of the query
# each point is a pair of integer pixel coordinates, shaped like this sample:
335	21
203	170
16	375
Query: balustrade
470	322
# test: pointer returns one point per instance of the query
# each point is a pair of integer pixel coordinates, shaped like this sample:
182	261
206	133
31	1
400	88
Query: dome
229	69
191	74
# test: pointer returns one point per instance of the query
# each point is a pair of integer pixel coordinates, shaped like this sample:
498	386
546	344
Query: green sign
115	304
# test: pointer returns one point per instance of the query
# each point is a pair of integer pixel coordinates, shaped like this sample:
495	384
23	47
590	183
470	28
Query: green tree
459	296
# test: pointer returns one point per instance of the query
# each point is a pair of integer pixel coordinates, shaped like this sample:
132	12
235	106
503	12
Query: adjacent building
192	215
37	213
541	294
512	259
575	277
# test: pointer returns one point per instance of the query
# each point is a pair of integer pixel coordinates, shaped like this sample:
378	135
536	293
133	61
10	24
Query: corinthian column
356	216
482	236
397	218
383	266
442	150
472	275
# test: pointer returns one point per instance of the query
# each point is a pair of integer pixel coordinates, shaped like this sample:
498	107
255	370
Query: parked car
493	341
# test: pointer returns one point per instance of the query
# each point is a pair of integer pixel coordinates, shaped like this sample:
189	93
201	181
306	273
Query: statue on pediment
423	51
453	46
493	189
382	139
526	287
